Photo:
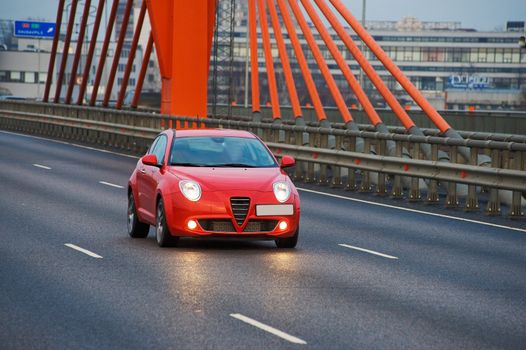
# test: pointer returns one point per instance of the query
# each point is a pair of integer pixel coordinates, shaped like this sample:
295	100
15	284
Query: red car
222	183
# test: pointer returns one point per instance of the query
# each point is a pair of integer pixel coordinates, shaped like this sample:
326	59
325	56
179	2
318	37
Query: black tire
289	242
162	232
136	229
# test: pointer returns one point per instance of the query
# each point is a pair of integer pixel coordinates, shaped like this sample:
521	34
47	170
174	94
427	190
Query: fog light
283	225
192	224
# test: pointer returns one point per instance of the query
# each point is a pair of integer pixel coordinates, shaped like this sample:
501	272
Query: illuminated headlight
191	190
281	191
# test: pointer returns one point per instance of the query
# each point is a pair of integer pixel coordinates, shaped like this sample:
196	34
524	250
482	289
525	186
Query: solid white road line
82	250
42	166
413	210
369	251
110	184
269	329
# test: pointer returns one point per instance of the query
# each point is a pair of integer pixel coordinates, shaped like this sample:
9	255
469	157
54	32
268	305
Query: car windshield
220	152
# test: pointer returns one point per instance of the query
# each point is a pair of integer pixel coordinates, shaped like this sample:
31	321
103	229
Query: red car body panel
218	186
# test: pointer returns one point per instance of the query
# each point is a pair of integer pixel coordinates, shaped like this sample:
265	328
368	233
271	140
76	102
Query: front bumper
214	215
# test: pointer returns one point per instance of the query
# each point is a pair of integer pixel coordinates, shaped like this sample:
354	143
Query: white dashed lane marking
269	329
42	166
82	250
110	184
368	251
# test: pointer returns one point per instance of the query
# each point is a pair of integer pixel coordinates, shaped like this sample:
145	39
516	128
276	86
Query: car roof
213	133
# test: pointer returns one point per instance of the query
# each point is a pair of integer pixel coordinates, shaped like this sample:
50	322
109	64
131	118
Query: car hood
230	179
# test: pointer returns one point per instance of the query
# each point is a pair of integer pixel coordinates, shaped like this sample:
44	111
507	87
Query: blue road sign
30	29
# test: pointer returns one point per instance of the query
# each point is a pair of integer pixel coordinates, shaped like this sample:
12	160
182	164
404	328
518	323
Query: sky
477	14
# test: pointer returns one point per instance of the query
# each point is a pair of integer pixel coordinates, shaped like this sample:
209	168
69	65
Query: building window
16	76
29	77
42	77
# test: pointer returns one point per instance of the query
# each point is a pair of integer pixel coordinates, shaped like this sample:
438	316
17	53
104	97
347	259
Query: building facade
455	68
24	61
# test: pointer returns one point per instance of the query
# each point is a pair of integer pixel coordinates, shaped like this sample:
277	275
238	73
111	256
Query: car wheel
162	232
136	229
289	242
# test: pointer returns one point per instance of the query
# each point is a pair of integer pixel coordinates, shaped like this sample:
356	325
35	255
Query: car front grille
217	225
226	226
240	206
261	226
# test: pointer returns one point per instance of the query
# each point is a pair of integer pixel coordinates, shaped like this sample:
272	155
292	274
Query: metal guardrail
344	166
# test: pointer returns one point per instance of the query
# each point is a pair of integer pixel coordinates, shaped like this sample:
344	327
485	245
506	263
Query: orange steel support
117	56
254	67
271	76
435	117
142	73
131	56
285	62
333	88
366	66
78	51
103	52
53	56
65	51
347	73
300	57
182	32
91	51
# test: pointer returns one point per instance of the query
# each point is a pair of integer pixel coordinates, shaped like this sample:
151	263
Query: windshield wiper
187	164
234	165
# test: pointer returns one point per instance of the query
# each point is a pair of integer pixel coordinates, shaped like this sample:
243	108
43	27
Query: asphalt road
425	282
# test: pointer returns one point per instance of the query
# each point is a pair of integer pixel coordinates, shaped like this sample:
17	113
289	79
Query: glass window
152	146
474	55
42	77
490	55
16	76
482	57
159	148
221	151
499	55
29	77
515	56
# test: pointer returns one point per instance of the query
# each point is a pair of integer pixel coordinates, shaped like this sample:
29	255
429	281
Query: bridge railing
387	164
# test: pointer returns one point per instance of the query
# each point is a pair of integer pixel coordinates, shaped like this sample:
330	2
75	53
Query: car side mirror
150	159
287	162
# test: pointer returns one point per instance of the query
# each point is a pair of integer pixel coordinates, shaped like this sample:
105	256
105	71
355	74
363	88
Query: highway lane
454	285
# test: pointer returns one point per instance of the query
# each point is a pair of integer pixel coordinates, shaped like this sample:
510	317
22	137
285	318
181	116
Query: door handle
143	171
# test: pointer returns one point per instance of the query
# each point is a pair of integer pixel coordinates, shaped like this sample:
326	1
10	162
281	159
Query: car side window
152	146
160	148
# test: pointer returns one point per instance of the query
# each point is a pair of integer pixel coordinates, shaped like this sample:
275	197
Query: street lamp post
522	46
362	45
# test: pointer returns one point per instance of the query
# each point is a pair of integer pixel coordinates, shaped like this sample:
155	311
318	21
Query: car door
152	176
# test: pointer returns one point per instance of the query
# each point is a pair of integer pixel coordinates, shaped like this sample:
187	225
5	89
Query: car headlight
190	189
281	191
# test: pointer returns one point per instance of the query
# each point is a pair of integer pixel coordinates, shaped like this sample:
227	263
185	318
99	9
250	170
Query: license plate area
274	209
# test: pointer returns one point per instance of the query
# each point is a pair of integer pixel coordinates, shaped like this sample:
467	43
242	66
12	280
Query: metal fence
387	164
